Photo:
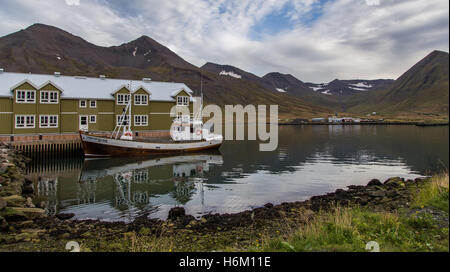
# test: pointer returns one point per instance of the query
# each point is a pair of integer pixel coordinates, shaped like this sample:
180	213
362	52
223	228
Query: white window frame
25	121
182	100
95	104
141	123
120	115
90	119
184	118
124	100
26	99
140	99
49	123
49	100
85	103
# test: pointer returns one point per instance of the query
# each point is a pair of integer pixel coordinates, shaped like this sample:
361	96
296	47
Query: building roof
89	87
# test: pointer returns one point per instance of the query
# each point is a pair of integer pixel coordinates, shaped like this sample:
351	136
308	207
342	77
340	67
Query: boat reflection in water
121	189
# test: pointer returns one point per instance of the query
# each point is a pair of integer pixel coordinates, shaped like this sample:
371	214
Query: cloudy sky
315	40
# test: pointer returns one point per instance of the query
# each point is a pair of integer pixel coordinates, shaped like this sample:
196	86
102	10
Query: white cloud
373	2
350	39
72	2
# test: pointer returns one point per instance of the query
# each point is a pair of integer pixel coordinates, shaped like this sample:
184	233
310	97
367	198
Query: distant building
336	119
319	120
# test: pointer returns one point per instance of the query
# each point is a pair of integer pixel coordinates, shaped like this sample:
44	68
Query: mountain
286	83
47	49
230	71
345	88
422	91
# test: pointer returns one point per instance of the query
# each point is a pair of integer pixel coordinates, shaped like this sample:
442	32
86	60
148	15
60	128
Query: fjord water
310	160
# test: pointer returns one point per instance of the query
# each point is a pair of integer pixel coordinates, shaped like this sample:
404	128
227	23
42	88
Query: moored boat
103	146
186	135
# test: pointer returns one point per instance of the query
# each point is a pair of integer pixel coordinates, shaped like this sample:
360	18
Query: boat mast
122	120
129	103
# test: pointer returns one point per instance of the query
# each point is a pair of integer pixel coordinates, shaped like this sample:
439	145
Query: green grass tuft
434	194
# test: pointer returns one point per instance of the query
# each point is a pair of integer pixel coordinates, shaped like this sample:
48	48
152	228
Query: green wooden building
32	104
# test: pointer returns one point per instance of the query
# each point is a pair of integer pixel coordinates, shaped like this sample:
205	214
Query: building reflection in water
129	187
47	188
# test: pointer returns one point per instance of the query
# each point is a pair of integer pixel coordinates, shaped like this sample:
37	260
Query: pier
61	144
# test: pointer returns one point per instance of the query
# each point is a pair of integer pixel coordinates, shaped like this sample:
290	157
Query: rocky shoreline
16	204
22	221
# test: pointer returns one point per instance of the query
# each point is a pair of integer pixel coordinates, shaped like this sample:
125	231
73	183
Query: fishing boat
186	135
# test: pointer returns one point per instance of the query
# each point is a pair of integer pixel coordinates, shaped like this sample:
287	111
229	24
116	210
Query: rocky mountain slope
46	49
423	90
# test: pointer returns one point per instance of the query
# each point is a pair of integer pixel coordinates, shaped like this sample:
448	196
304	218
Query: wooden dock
48	147
60	144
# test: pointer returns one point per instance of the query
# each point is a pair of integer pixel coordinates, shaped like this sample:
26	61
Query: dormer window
123	99
182	100
140	99
49	97
25	96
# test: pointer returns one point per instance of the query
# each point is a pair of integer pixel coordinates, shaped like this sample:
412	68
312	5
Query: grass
350	229
434	194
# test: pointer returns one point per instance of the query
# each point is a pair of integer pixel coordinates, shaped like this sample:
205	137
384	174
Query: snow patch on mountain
316	88
230	73
361	85
327	92
358	89
135	51
281	90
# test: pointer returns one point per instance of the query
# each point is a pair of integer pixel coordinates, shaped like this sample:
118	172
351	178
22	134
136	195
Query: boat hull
95	146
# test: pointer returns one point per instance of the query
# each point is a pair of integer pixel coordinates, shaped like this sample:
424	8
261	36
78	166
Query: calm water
310	160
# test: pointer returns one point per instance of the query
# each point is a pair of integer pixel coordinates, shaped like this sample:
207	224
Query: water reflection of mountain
424	150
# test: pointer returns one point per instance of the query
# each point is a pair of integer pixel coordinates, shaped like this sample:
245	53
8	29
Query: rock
28	210
340	192
374	182
356	187
42	205
64	236
392	193
176	213
3	203
396	182
361	200
15	201
65	216
377	193
29	203
3	224
268	205
3	168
